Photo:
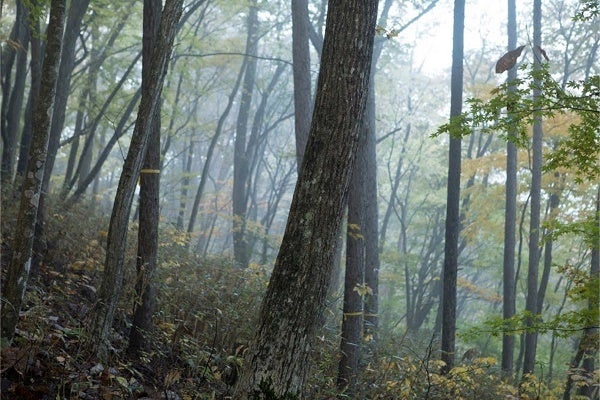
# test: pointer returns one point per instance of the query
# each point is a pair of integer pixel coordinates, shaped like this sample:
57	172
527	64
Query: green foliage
513	109
588	10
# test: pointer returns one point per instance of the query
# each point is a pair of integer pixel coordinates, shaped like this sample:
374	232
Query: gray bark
510	216
20	263
112	280
534	219
277	361
449	275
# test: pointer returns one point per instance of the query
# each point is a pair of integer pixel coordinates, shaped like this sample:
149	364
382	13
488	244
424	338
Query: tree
531	305
13	89
149	198
112	279
301	72
510	213
20	263
241	162
449	275
63	88
277	361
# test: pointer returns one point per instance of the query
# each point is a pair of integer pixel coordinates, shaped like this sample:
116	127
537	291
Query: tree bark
453	199
510	215
34	89
534	219
12	97
112	280
240	160
352	320
20	263
277	361
301	72
147	252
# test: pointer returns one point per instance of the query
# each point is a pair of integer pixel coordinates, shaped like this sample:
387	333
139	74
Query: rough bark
112	279
147	252
277	361
20	263
34	89
453	197
510	216
534	219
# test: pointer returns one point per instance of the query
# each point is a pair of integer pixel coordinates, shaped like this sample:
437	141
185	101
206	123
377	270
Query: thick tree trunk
534	219
20	263
149	199
277	362
510	216
112	280
453	199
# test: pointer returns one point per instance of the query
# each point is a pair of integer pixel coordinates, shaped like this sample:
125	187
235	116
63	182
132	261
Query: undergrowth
206	316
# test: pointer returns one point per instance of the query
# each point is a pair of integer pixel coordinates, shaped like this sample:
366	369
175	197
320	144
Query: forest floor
49	357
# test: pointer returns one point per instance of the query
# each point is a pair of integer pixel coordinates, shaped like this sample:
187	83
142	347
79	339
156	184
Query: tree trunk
588	345
277	362
301	72
240	159
510	215
12	97
63	87
185	184
112	280
371	221
34	89
352	320
20	263
453	199
149	199
534	220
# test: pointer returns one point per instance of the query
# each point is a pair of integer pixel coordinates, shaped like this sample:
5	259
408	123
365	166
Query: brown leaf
542	52
508	60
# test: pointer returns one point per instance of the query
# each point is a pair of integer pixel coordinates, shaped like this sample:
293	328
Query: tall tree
354	290
531	305
13	89
277	361
453	196
112	279
73	22
301	72
241	162
20	263
510	213
147	251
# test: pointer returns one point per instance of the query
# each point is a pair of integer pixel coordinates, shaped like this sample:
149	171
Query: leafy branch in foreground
512	108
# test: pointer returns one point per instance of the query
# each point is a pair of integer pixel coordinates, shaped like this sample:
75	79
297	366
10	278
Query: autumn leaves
508	60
